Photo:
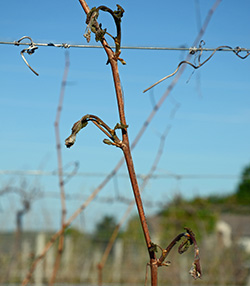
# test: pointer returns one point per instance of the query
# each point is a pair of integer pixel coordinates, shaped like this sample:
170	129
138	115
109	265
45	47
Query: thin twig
60	167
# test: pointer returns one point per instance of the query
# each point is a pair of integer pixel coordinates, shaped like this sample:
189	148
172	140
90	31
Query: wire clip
192	50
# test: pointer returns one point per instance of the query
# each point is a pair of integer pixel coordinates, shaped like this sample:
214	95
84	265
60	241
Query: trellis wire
141	176
65	45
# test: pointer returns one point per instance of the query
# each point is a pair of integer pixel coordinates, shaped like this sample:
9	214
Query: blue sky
209	132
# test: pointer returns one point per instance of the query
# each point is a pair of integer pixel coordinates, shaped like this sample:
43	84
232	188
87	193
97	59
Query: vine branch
60	168
112	59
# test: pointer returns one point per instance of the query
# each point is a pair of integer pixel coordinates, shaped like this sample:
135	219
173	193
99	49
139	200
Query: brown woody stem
127	152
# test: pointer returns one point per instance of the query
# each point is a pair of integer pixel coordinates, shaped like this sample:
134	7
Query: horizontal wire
65	45
140	176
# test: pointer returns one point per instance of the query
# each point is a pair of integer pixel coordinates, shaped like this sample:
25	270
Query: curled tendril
30	50
192	51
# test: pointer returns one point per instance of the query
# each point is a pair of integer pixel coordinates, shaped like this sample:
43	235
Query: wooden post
39	272
117	266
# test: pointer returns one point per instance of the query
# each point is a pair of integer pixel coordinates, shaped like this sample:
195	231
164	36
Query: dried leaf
195	270
100	34
184	246
119	12
70	141
107	141
153	247
120	126
87	35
